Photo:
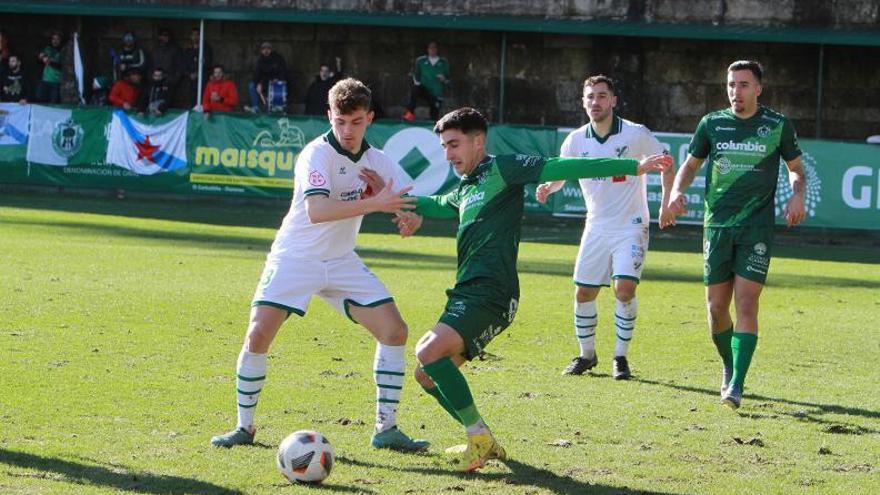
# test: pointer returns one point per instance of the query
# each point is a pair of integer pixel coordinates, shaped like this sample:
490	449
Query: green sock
454	389
722	342
435	392
743	346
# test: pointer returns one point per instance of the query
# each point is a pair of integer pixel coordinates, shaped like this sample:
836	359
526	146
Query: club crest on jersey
760	249
316	179
763	131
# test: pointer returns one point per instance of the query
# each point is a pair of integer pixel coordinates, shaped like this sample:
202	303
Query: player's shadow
520	474
74	473
813	416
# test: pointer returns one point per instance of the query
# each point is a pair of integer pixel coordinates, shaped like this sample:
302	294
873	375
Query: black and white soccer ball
305	456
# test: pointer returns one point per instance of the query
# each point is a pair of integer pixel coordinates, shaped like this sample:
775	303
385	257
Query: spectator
4	49
126	92
169	57
13	84
316	95
430	76
269	85
155	100
191	63
131	56
100	91
220	93
49	89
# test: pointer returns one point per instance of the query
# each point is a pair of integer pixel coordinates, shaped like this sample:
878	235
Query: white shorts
603	256
289	284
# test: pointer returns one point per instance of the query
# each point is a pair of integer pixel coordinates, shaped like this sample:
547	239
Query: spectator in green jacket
49	89
430	77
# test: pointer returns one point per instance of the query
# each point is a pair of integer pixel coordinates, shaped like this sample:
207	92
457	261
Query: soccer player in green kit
743	145
489	205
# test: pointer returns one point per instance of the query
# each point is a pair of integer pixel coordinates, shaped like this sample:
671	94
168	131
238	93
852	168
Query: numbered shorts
604	256
289	284
478	313
743	251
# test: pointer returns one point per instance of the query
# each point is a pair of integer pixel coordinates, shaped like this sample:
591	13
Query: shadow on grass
813	416
84	474
801	243
521	474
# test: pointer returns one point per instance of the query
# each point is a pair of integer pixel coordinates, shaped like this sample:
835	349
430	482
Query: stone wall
665	83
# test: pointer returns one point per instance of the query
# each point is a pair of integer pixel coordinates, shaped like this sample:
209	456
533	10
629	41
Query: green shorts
743	251
478	313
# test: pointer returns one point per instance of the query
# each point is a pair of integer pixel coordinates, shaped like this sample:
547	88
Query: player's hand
407	223
390	201
373	180
667	217
654	163
543	191
795	210
677	203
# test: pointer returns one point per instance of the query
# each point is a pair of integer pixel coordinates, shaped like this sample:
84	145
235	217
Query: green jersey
743	157
426	74
489	206
52	70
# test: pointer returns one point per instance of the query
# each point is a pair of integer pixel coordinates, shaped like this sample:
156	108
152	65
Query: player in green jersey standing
489	205
743	145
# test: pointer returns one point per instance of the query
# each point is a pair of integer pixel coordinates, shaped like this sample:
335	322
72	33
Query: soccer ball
305	456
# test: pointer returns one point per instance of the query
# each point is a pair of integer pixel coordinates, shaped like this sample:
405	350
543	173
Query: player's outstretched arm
321	208
795	210
667	217
683	180
585	168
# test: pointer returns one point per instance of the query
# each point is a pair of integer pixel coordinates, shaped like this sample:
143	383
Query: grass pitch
120	324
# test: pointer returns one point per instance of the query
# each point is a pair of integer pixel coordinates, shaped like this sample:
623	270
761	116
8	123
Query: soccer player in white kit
313	254
615	238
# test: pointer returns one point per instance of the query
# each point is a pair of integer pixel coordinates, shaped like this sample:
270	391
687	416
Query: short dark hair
465	119
349	95
755	67
600	78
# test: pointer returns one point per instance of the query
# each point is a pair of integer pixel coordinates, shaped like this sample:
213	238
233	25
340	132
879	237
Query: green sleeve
585	168
700	143
788	144
437	206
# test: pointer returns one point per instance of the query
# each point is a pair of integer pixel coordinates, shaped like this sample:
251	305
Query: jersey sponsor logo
750	268
719	128
316	179
724	166
473	198
731	145
763	131
771	119
351	195
268	151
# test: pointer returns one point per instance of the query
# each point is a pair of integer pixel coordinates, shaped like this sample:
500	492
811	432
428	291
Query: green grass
120	324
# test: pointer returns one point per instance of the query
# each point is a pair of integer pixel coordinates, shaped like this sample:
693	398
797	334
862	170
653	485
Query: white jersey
324	167
614	203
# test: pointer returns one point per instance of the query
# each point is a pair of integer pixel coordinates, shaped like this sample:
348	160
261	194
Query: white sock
389	369
585	319
625	321
250	376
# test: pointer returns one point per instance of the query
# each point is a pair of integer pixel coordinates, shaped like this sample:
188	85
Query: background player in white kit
615	237
313	253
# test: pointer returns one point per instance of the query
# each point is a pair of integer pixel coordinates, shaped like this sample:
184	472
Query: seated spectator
49	89
4	49
191	62
268	89
100	91
316	95
126	92
13	84
155	100
430	77
131	57
220	93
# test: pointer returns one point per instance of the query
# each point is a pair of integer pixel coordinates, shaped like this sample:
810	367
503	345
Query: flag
14	124
61	136
78	68
147	149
